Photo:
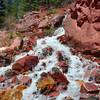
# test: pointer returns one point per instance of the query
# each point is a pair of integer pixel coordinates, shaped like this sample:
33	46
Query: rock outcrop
26	63
83	27
29	21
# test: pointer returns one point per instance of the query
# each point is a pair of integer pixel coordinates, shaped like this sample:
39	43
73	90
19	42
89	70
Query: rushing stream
75	69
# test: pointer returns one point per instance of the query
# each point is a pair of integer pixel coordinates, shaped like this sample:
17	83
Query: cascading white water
75	70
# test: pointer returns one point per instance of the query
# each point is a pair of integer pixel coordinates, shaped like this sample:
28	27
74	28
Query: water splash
75	70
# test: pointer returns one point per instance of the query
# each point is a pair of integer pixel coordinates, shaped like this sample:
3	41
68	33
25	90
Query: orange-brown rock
45	83
21	87
11	94
52	83
26	63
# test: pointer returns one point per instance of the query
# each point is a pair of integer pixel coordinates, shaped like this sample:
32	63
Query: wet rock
89	88
14	80
45	84
95	74
92	98
52	83
10	73
59	78
25	64
63	65
2	79
57	20
25	80
5	60
47	51
21	87
63	39
60	56
54	94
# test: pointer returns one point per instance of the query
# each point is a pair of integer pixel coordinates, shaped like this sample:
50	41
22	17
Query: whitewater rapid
75	69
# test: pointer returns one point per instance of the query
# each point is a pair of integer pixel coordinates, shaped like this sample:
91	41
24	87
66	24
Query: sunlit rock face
83	27
56	73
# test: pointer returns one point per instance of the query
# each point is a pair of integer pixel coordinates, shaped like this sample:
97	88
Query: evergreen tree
15	8
2	13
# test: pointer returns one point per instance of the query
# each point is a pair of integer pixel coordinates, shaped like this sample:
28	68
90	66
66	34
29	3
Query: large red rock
59	77
82	27
52	83
26	63
29	21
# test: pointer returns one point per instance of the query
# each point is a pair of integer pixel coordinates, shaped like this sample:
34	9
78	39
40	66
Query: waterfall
75	69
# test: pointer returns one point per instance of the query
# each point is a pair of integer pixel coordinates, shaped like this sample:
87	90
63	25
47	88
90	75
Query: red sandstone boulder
52	83
26	63
29	21
59	77
82	27
89	88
